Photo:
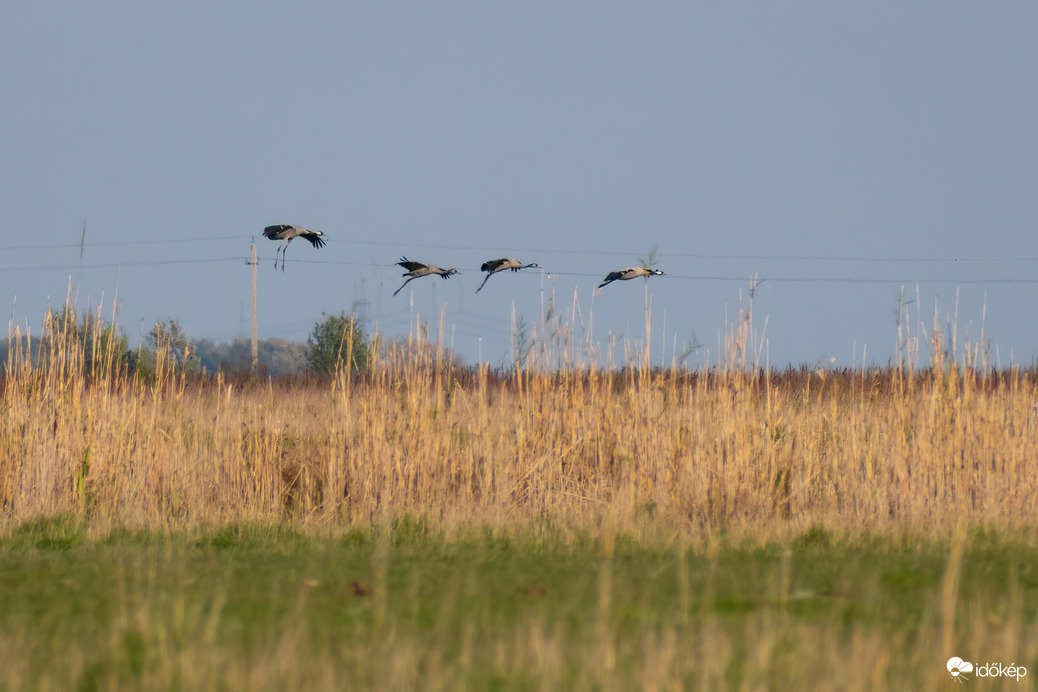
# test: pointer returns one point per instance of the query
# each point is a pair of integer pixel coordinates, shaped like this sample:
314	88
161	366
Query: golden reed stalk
418	434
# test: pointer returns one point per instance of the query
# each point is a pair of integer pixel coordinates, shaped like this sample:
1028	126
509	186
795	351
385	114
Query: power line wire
107	265
706	277
701	277
807	258
583	251
113	243
594	275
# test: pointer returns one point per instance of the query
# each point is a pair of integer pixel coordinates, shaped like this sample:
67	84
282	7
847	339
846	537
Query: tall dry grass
730	446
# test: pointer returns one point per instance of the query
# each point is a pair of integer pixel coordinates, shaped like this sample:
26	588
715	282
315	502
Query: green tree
336	338
167	335
86	336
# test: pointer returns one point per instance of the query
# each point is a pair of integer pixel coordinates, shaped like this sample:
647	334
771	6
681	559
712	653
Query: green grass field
543	606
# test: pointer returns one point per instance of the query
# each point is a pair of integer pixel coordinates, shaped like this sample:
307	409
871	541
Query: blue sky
835	150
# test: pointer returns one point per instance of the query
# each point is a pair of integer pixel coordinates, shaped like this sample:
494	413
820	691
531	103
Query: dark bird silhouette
500	265
416	270
285	233
629	273
357	590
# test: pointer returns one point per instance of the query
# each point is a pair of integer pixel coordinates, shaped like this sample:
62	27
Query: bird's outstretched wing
273	232
409	265
492	265
315	238
610	278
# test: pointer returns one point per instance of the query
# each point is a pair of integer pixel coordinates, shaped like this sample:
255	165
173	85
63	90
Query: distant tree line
334	339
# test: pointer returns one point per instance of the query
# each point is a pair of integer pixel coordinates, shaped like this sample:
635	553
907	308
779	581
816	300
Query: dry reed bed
723	449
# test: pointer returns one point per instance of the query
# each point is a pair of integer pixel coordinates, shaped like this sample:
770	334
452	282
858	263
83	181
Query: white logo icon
956	666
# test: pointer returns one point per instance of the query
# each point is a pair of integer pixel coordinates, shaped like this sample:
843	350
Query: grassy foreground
404	606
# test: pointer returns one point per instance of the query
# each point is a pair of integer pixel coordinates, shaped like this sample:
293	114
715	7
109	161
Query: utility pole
255	341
